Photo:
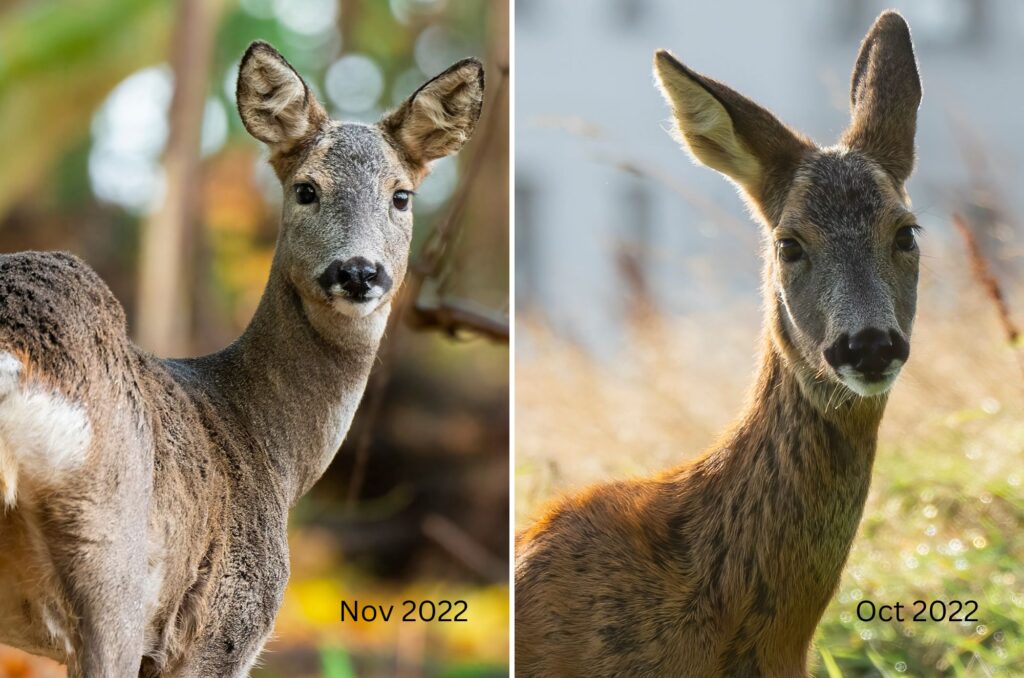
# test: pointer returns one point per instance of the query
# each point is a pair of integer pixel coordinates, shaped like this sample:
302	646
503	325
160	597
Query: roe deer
723	566
144	502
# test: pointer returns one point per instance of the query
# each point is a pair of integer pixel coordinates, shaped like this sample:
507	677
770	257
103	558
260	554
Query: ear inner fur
440	116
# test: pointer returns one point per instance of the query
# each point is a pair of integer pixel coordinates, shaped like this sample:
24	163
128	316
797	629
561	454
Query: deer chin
865	388
357	308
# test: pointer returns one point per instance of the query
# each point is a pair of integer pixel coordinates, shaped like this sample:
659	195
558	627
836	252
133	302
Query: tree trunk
163	311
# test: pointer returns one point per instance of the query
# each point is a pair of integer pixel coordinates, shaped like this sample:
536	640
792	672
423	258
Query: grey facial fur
356	174
845	211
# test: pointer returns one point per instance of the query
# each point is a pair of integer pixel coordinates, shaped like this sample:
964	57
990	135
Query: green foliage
337	664
41	35
58	60
945	522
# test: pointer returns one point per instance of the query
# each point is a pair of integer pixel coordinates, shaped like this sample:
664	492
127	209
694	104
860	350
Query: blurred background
122	145
638	290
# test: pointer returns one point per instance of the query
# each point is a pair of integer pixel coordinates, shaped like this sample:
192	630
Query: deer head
841	256
347	219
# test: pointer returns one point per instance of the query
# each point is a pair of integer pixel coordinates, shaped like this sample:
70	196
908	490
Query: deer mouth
869	384
362	296
356	305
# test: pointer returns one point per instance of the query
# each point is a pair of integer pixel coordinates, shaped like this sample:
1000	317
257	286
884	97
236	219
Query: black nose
870	352
356	276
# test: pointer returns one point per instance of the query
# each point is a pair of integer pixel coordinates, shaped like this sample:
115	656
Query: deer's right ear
274	102
440	116
728	132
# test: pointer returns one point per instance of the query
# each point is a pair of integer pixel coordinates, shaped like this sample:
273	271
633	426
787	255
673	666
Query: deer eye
401	200
905	239
790	250
305	193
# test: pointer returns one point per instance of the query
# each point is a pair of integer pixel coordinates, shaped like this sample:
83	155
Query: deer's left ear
885	94
440	116
275	104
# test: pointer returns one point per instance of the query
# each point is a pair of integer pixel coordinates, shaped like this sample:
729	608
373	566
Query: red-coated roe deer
144	502
723	566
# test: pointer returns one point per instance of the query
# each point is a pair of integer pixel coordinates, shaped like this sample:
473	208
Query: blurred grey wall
609	209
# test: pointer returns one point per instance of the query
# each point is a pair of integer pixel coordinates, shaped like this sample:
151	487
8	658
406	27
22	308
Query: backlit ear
440	116
885	94
276	105
730	133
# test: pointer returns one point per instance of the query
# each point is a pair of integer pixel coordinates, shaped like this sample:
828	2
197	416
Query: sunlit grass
945	522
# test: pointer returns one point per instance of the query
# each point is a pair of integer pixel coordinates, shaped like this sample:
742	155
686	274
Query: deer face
347	220
842	267
348	187
841	255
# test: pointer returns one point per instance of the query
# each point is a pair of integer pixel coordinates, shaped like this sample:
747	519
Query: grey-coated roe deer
144	502
723	566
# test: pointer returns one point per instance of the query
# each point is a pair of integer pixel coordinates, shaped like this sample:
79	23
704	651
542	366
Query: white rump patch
43	435
10	369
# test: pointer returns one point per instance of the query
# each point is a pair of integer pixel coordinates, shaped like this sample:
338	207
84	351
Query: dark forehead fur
837	189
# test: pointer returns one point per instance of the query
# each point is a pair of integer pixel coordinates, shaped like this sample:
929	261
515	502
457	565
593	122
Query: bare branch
455	317
983	274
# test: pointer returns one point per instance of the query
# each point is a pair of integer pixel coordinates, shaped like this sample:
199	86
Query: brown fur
163	551
724	565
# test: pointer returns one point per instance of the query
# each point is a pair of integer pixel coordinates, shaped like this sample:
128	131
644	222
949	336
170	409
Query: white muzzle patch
855	381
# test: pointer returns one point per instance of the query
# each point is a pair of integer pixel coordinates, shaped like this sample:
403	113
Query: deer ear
440	116
885	94
274	102
728	132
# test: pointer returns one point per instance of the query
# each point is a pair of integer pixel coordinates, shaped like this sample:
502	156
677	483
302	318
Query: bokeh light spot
307	17
129	133
354	83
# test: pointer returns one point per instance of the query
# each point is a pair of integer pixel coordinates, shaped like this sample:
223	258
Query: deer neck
791	399
795	475
295	377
